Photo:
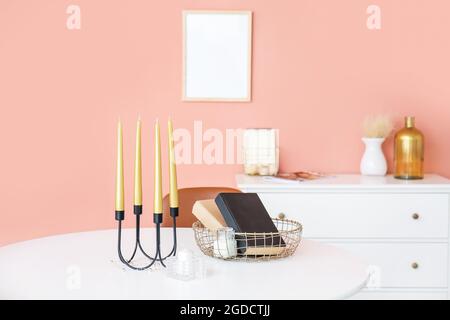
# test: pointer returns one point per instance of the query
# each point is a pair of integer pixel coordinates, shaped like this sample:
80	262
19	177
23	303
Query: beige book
208	214
266	251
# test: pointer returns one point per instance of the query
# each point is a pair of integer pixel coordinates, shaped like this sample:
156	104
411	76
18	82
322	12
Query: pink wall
317	71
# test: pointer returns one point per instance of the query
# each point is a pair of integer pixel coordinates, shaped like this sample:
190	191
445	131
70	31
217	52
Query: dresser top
431	182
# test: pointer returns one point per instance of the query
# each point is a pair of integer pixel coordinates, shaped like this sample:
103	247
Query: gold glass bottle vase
408	152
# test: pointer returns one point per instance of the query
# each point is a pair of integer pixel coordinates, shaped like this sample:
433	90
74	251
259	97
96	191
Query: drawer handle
415	265
281	216
415	216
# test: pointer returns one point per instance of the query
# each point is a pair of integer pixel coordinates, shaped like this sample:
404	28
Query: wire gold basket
227	244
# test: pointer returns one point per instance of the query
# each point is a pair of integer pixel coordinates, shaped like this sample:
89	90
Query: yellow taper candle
157	205
119	173
138	167
173	188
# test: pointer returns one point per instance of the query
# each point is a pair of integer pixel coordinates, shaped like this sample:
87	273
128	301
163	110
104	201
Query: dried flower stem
379	126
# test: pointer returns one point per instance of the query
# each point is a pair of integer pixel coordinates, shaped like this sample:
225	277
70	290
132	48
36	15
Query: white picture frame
217	55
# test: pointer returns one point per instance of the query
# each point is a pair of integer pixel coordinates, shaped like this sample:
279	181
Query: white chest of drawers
400	227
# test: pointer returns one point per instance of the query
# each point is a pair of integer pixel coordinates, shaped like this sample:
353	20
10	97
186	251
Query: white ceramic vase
373	162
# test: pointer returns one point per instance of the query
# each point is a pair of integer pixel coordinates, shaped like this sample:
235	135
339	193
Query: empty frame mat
217	55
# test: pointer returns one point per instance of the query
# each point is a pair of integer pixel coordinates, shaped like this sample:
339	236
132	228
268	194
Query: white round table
85	266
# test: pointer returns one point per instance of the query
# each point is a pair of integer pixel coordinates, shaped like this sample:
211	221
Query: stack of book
246	214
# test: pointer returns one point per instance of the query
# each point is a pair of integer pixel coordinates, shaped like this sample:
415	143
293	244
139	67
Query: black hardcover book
244	212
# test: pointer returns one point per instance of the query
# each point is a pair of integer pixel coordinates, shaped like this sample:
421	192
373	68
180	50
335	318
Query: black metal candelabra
157	219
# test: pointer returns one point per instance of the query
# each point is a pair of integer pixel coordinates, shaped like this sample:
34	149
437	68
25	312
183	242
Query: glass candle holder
185	266
225	243
261	151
